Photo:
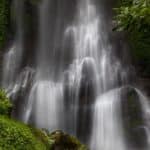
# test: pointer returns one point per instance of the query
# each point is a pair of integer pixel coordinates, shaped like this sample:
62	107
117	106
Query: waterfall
96	70
107	129
77	80
12	59
45	101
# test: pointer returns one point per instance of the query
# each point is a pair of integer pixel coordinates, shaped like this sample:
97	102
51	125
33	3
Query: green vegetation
4	21
5	104
133	16
15	135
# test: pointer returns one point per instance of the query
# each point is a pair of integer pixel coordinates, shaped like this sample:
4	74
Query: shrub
133	17
5	104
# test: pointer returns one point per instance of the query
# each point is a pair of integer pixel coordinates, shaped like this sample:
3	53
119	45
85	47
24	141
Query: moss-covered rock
133	119
43	136
63	141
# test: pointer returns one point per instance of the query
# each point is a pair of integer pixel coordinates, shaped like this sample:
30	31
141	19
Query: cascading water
12	58
95	69
107	128
45	102
76	90
46	105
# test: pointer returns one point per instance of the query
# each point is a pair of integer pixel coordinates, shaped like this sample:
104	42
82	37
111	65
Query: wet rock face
87	95
145	84
133	120
83	94
87	90
21	88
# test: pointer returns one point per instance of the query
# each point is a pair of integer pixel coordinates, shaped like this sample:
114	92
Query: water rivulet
74	78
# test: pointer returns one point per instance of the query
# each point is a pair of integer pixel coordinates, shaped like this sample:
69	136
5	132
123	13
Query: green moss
42	136
17	136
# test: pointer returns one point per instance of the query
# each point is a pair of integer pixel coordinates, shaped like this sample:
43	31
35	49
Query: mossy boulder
63	141
133	119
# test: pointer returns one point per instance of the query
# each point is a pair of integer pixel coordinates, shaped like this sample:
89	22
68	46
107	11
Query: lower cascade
73	79
107	122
